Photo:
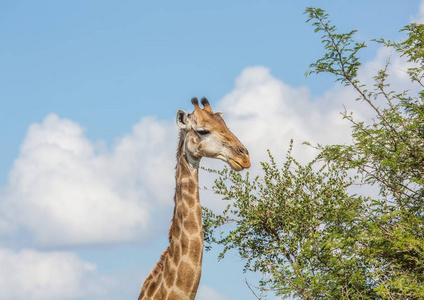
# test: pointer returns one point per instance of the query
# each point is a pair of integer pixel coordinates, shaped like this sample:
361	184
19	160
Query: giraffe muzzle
242	162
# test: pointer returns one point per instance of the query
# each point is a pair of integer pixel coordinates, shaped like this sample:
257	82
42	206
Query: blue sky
102	80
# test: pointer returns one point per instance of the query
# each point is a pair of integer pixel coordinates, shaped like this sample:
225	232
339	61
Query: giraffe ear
219	113
182	120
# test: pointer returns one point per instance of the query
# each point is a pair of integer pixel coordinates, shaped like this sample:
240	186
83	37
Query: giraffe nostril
242	151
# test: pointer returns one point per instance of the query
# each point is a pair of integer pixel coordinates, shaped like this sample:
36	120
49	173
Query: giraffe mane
159	265
180	144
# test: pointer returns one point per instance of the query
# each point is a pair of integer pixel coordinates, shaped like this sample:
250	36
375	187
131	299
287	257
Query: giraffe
203	133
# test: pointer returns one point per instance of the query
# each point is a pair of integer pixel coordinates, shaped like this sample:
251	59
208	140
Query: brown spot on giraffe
184	244
176	255
185	277
170	279
195	250
203	133
174	296
190	224
190	200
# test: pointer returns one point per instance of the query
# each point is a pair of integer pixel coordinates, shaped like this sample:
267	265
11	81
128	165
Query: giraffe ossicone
203	133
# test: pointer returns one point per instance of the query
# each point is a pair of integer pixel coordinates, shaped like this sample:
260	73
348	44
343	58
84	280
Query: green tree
303	228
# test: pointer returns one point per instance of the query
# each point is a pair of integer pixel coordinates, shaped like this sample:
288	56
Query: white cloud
399	79
266	113
420	17
34	275
208	293
61	192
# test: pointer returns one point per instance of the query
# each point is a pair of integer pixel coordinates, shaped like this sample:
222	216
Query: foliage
303	228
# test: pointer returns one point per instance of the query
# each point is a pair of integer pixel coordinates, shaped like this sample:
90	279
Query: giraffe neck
177	274
186	234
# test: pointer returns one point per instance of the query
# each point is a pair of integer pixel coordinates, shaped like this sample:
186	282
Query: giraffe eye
203	131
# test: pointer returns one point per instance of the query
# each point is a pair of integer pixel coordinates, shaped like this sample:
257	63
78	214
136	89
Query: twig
250	288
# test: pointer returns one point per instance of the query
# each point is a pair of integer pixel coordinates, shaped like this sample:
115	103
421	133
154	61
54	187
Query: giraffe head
205	134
